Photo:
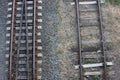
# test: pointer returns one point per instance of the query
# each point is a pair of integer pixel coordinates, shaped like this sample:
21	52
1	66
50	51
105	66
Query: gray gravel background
49	39
3	13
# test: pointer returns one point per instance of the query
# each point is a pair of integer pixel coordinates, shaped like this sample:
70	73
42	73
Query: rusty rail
12	46
102	40
79	39
34	42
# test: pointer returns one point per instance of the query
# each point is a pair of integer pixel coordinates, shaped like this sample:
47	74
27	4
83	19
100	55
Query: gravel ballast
50	66
3	13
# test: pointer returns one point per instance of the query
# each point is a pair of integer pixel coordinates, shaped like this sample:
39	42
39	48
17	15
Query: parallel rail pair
103	62
24	43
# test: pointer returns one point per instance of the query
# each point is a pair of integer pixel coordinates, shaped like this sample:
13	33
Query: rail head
11	75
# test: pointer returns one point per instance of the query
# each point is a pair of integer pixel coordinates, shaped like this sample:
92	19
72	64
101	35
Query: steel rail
12	46
19	38
79	39
27	50
34	42
102	40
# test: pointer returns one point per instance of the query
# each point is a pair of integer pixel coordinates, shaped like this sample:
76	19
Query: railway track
93	64
24	57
